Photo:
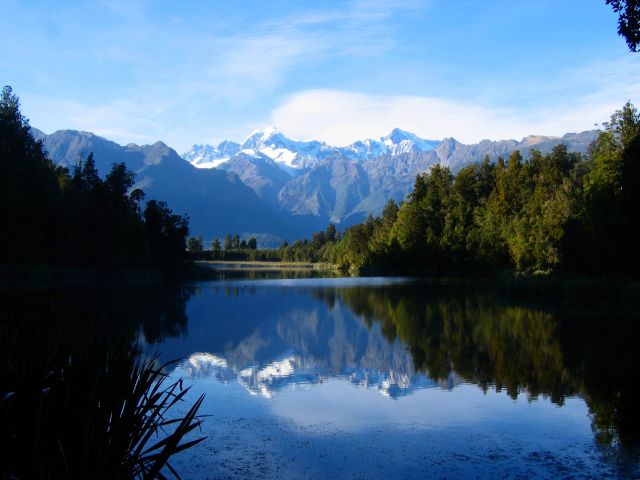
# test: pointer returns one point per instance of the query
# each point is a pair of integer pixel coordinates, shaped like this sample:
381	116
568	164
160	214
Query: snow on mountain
206	156
286	151
364	149
292	155
396	143
400	141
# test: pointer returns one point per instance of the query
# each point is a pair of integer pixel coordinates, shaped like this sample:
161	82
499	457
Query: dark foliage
535	348
53	217
247	250
628	21
76	400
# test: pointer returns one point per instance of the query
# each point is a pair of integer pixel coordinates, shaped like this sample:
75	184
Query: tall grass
75	404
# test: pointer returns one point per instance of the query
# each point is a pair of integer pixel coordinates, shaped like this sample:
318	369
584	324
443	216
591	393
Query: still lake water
387	377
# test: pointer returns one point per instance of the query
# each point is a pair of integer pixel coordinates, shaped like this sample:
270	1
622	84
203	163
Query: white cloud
341	117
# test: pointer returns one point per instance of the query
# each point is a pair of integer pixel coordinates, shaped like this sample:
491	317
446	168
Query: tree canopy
55	217
628	21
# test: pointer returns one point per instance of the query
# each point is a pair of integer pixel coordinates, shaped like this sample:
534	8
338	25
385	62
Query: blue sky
201	71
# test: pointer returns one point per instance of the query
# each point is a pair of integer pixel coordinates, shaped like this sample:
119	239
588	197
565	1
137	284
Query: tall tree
166	234
330	233
30	192
194	245
610	194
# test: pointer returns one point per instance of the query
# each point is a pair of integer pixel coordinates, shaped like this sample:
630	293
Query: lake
384	377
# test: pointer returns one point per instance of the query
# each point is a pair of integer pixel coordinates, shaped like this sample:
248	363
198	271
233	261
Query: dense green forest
555	212
547	212
57	217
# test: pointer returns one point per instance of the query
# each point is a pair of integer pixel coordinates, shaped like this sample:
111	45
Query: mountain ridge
283	188
296	154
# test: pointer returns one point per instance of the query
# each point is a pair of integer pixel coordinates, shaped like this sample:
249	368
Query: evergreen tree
52	217
611	195
330	233
194	245
30	195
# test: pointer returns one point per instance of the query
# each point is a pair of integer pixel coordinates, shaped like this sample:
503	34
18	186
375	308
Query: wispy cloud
170	81
339	70
255	60
122	120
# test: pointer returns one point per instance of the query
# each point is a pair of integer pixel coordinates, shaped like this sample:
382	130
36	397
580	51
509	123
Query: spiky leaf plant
74	404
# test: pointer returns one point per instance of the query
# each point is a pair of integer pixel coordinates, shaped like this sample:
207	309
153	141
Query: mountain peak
397	135
262	136
535	139
400	141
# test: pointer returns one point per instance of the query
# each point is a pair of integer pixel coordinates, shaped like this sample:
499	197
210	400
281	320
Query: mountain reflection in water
404	336
392	336
294	370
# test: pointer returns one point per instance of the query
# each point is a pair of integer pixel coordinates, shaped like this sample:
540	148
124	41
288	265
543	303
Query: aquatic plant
75	404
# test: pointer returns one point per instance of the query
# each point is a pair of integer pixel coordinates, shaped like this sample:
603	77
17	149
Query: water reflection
551	350
152	313
397	338
389	336
233	272
297	370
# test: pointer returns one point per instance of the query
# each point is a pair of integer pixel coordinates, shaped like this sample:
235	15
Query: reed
76	404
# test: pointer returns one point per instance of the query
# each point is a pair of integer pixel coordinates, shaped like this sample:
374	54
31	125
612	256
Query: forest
61	218
559	211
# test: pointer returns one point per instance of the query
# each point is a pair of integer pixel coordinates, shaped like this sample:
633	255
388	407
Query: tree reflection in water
495	342
550	350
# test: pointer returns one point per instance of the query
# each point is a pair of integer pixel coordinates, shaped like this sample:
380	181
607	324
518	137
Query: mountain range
275	187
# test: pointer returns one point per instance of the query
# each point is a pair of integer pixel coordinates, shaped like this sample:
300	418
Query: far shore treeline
61	218
555	212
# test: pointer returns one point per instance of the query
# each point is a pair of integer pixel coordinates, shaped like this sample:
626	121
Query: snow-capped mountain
396	143
292	155
289	153
206	156
274	186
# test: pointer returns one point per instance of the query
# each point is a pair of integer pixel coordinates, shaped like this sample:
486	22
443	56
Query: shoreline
261	265
568	286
